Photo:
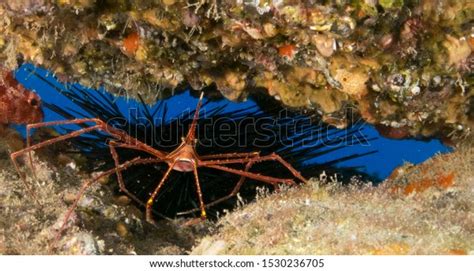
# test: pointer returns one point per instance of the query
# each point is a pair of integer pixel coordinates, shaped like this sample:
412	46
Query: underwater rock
407	63
82	244
98	226
424	209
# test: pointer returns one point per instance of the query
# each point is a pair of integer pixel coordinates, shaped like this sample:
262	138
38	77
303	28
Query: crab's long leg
119	174
98	125
274	156
123	188
132	143
229	155
243	174
14	155
30	159
191	136
90	182
199	193
270	157
149	203
250	162
255	176
63	122
230	195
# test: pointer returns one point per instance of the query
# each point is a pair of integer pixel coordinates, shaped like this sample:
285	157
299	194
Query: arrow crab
184	158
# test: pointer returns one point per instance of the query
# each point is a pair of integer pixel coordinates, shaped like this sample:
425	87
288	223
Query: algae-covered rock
403	63
422	209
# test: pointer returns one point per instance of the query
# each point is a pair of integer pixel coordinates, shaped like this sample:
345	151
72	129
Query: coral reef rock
404	64
422	209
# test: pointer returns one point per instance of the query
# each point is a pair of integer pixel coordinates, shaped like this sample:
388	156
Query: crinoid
184	164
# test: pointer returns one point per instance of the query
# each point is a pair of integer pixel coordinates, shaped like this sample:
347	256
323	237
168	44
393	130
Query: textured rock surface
424	209
405	64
